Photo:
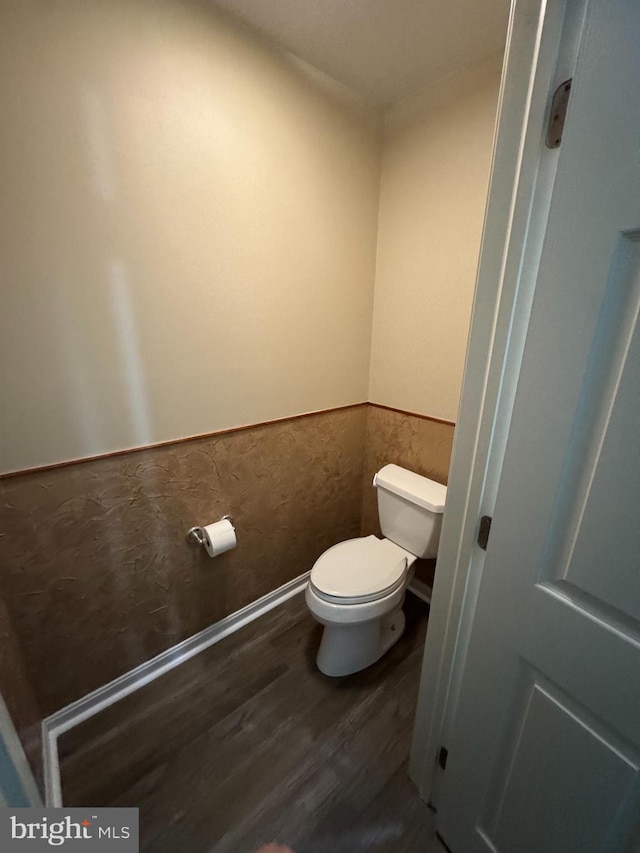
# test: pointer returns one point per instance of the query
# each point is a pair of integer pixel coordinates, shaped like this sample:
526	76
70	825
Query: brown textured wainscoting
97	575
95	571
413	441
18	695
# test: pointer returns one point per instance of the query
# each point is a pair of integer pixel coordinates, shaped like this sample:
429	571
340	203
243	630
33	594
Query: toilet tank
410	509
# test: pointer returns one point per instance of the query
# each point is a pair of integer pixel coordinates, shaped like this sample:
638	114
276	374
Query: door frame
18	787
541	49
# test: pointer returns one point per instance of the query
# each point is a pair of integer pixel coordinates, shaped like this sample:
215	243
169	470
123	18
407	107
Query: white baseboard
96	701
421	589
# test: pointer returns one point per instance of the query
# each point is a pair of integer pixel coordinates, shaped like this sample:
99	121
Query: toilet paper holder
194	534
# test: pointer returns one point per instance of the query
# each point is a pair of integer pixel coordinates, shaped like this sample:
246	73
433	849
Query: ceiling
384	49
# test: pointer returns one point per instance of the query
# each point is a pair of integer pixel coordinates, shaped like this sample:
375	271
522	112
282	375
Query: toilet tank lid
411	486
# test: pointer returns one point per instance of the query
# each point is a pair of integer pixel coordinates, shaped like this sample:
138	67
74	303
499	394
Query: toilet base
348	648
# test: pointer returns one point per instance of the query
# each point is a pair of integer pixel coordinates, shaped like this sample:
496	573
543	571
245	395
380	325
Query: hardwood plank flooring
248	743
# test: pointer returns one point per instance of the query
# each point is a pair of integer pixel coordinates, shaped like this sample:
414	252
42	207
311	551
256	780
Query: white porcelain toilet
356	589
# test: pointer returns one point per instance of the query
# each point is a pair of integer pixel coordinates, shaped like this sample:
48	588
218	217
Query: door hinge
557	114
483	531
442	756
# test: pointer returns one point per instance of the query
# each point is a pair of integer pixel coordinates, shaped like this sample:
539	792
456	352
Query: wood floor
248	743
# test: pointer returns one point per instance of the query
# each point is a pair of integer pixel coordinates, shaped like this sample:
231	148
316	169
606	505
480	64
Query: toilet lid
366	566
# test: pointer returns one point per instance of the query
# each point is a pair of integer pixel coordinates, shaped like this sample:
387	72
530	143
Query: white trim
51	767
96	701
15	750
421	589
540	47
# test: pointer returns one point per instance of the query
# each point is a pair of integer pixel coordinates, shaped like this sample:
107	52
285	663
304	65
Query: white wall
435	173
187	229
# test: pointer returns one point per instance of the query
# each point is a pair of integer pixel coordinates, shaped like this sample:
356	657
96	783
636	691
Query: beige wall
435	172
188	234
187	229
187	243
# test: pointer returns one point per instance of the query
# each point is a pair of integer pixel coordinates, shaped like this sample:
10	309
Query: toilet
357	587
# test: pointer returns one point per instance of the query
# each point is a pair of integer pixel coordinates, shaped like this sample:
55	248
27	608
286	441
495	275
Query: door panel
544	754
604	438
553	733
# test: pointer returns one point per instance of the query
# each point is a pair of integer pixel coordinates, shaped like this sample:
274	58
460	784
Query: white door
544	755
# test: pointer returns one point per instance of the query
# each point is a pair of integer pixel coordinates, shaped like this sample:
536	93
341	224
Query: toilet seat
359	570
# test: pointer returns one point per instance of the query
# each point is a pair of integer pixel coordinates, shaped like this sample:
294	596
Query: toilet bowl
356	588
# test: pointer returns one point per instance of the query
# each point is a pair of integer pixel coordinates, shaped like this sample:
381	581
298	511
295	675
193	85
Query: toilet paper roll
218	537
